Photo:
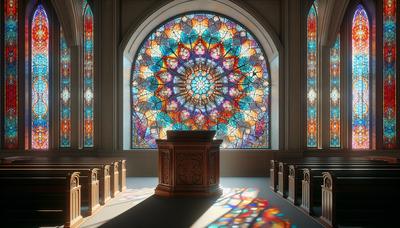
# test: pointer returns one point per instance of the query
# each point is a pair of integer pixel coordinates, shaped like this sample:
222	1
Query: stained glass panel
312	79
40	79
84	3
88	77
334	120
389	73
360	80
65	92
201	71
11	74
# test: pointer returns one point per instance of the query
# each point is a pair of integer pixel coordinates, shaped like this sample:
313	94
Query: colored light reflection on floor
271	217
236	207
245	210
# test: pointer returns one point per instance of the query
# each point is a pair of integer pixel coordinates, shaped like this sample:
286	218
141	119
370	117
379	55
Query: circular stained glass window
201	71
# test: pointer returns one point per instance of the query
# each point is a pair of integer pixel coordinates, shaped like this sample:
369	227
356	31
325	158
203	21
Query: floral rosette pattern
201	71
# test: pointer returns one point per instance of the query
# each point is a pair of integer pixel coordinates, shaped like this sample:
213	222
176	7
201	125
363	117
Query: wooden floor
154	213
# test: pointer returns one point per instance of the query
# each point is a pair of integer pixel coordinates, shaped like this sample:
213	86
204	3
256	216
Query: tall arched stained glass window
360	80
88	76
312	79
389	73
201	71
334	121
40	79
65	92
11	74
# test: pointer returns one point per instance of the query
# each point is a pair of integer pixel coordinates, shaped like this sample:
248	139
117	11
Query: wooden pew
368	198
283	172
117	168
296	174
313	179
119	183
118	172
88	178
122	174
103	174
11	159
274	166
274	169
273	173
43	197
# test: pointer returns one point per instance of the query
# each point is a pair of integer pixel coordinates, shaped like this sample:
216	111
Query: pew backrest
66	184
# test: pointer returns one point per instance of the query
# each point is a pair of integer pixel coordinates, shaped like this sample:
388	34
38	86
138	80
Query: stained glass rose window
201	71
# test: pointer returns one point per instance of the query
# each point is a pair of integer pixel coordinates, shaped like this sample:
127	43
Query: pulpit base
188	168
165	191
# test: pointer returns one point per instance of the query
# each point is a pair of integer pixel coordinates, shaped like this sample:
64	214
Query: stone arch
70	16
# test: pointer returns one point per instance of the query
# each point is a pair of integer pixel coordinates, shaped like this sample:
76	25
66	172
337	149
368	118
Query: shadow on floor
163	212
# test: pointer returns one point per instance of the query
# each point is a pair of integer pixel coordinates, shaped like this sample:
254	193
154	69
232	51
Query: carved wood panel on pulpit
189	168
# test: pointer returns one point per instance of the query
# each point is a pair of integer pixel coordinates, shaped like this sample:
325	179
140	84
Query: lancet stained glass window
312	79
40	79
88	76
389	74
11	74
65	92
360	80
334	121
201	71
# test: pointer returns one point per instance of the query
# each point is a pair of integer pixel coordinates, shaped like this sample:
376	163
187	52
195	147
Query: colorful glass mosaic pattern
389	74
65	92
201	71
360	80
40	79
84	3
312	79
88	76
334	118
11	74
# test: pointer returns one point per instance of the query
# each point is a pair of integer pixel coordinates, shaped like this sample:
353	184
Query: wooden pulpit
188	164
